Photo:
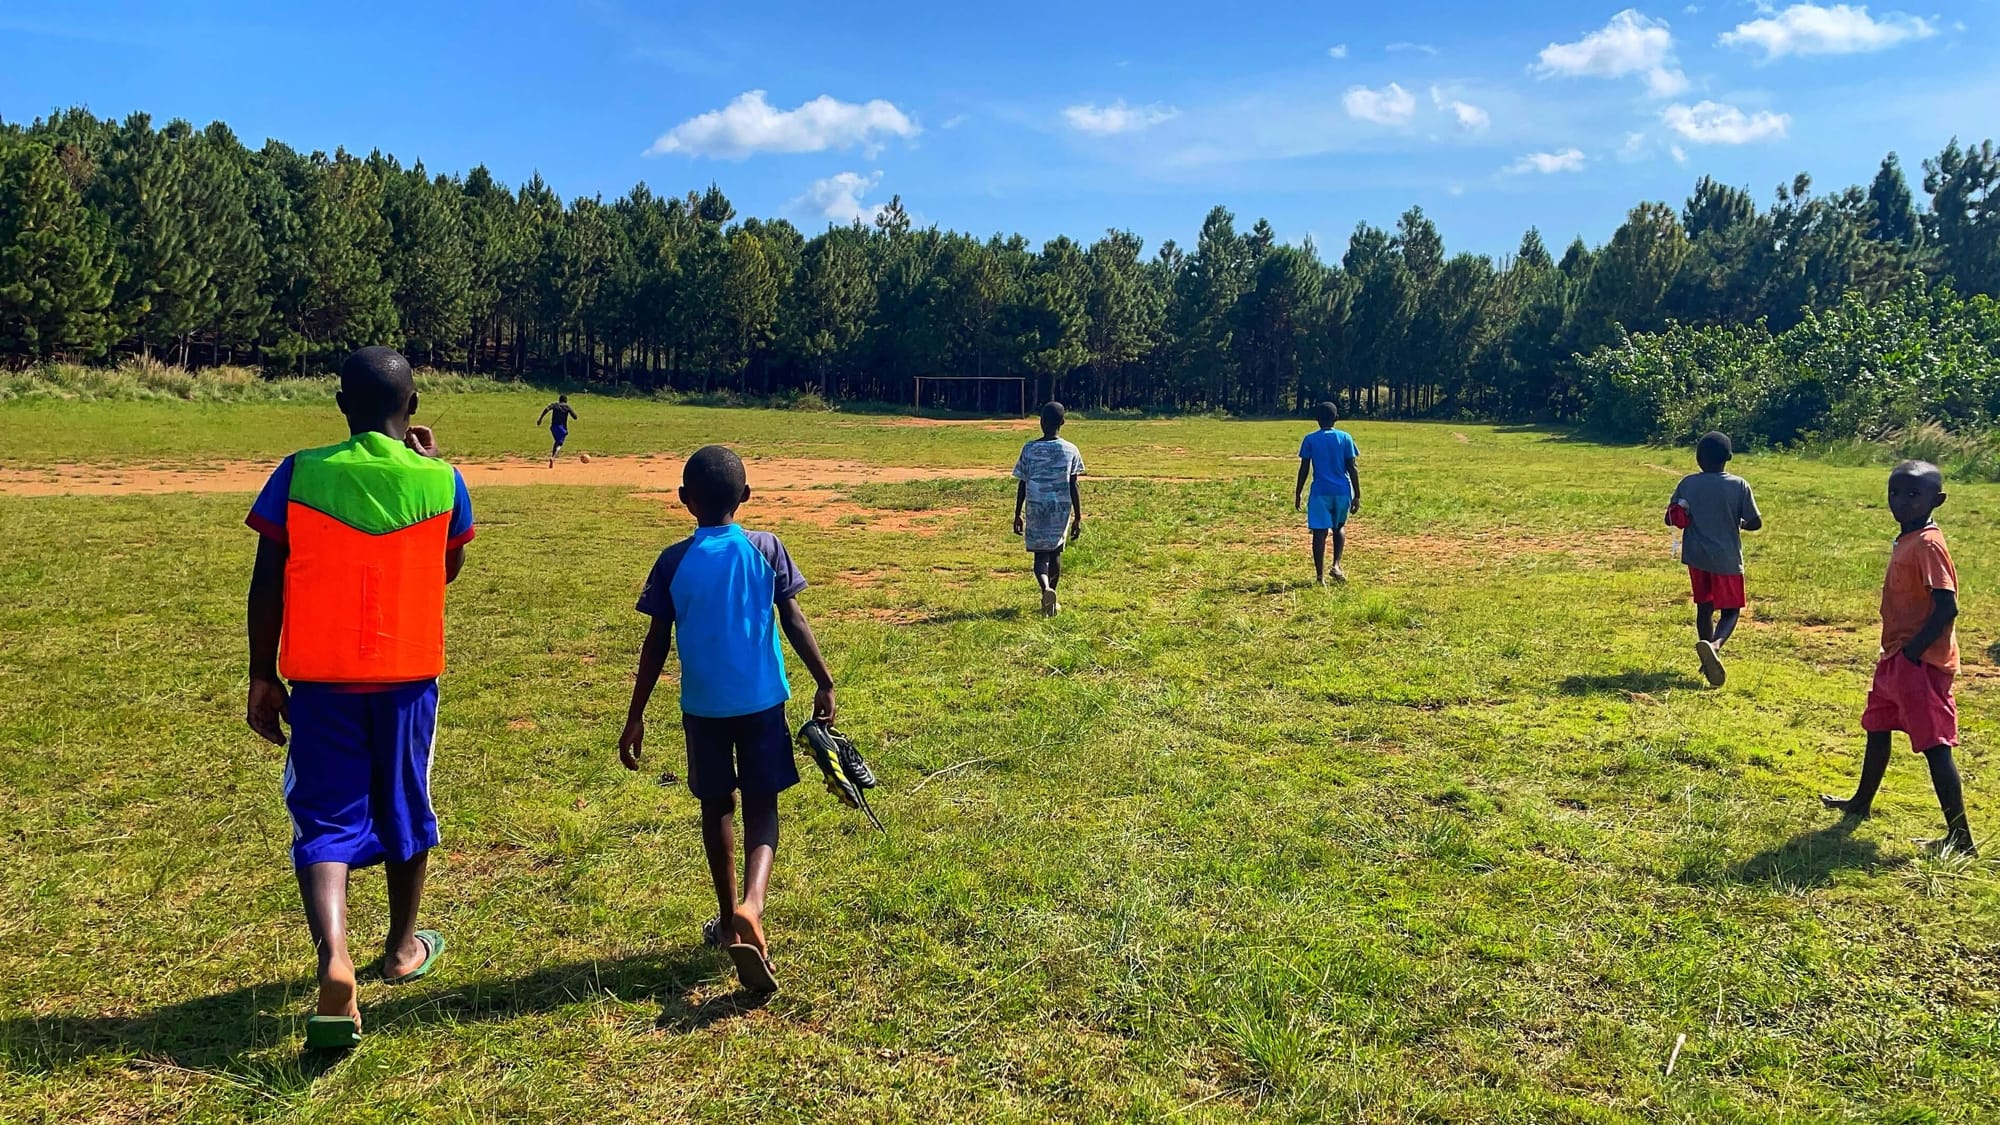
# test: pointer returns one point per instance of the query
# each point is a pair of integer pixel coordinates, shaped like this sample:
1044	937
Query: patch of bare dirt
522	725
655	471
1664	469
1460	438
831	509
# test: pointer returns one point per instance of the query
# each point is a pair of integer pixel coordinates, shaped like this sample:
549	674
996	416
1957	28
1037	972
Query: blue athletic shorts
560	433
1324	513
749	752
358	778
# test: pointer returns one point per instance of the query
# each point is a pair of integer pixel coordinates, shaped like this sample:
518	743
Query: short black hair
562	398
713	480
1327	414
1053	416
1922	470
1714	448
376	383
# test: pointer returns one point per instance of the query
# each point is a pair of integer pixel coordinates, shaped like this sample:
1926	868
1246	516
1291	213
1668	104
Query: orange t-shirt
1919	564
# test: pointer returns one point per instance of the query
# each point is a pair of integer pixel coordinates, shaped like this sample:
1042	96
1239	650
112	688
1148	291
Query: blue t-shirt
267	514
1331	452
721	587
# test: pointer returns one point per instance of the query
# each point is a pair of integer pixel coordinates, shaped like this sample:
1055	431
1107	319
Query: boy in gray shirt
1713	508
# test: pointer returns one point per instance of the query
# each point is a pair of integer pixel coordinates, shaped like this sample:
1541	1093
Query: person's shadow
233	1032
1810	858
1633	681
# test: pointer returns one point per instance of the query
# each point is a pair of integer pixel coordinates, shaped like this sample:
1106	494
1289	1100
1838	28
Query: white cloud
1470	117
1634	147
1337	51
1842	29
1713	123
838	198
1103	121
1420	48
751	125
954	121
1629	44
1391	105
1679	154
1548	163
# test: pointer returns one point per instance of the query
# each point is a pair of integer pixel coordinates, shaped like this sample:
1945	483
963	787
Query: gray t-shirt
1048	465
1719	508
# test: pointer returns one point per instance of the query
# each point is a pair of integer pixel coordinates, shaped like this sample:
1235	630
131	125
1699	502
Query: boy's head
1916	488
1053	417
562	398
1713	451
1326	414
377	391
713	485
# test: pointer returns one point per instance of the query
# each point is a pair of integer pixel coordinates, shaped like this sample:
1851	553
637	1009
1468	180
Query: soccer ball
583	457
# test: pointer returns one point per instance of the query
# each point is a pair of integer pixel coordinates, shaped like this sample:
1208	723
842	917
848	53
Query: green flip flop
332	1033
433	949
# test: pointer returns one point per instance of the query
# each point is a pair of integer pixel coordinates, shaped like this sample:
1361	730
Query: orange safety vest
368	522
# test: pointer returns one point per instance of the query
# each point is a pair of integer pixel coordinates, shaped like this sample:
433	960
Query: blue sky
1063	118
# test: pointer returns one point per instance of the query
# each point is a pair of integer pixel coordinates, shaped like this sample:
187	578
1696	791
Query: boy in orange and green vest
347	603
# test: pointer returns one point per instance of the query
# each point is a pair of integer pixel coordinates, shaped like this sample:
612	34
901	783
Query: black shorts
748	752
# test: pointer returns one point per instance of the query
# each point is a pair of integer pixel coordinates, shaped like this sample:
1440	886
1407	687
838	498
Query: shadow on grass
232	1033
1810	858
954	616
1630	681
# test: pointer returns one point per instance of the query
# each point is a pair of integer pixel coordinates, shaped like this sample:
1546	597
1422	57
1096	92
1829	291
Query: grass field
1466	839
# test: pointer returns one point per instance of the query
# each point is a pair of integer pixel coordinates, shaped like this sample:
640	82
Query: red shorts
1913	698
1723	591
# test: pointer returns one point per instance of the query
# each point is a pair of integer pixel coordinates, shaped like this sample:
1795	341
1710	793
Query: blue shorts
1325	513
749	752
560	433
358	777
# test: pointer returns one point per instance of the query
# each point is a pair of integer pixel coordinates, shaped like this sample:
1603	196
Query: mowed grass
1464	840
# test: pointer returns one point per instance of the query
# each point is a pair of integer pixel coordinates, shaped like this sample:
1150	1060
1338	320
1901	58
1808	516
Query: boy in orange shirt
357	543
1912	688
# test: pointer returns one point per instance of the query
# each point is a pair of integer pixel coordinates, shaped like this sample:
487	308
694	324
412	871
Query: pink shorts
1723	591
1915	699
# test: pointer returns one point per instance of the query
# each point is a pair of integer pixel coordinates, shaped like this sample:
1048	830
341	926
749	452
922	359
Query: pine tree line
119	237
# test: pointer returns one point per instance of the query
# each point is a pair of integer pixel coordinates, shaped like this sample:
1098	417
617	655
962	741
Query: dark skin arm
1020	502
799	632
269	705
1354	480
1299	489
653	655
543	414
1944	610
1076	509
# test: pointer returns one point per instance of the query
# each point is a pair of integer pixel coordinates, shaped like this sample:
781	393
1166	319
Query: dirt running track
653	473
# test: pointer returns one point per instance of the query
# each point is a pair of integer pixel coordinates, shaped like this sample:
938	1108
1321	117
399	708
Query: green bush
1858	370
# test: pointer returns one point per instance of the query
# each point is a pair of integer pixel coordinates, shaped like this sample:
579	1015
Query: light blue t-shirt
1331	452
720	587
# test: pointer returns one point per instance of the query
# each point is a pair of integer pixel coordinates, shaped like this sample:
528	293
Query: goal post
1020	386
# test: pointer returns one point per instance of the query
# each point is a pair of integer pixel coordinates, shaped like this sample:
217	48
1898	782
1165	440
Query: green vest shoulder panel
372	483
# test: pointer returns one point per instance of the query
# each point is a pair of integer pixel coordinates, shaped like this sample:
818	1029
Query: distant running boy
723	587
1048	508
1328	456
1912	688
1713	508
358	542
558	425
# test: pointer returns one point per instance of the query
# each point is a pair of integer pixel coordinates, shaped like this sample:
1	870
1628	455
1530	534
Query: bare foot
336	990
749	927
404	960
1846	806
1339	575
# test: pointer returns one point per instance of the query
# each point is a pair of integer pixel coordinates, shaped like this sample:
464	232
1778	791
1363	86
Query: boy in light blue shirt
730	591
1327	456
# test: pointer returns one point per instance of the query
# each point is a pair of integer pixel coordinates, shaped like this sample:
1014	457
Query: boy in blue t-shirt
730	591
1327	455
